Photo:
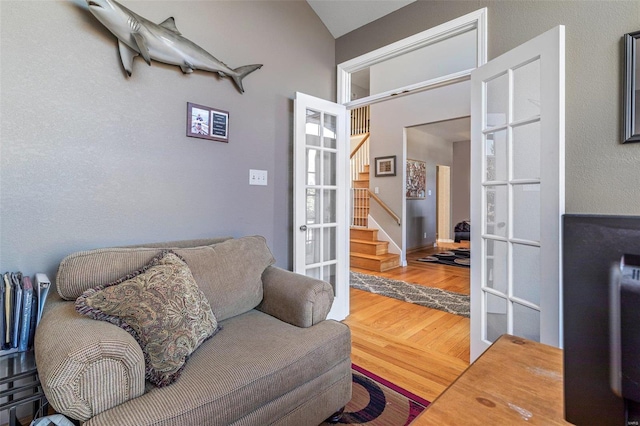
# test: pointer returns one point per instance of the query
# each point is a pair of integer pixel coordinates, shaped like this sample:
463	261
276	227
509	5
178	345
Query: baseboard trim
413	250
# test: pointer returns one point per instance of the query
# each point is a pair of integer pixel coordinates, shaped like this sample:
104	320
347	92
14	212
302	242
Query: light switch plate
257	177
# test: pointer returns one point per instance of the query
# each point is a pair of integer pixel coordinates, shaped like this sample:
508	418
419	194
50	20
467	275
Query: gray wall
388	121
601	174
421	214
91	158
460	183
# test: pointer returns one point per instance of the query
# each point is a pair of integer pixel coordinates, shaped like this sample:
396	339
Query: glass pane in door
526	273
526	151
497	208
313	166
329	275
526	322
312	127
329	168
496	156
313	206
526	91
496	266
312	246
437	62
526	212
329	206
496	317
329	131
497	101
329	248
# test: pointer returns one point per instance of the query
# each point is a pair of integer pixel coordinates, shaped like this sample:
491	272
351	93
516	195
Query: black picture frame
631	114
385	166
207	123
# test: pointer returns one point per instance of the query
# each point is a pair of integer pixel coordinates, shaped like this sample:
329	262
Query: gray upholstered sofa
276	359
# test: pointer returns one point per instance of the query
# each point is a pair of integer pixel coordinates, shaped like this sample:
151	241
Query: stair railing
360	120
385	207
359	157
359	207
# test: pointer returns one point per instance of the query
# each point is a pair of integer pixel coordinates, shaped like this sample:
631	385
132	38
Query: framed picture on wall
631	107
207	123
416	180
385	166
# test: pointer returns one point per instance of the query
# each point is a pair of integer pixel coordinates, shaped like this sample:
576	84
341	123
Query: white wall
91	158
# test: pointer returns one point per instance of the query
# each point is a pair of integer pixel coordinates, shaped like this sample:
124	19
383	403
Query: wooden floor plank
420	349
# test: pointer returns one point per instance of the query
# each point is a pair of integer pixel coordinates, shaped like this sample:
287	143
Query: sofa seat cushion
253	360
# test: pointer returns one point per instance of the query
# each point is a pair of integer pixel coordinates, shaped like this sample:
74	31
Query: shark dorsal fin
170	24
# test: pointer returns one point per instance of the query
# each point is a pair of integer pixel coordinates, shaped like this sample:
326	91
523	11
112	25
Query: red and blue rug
378	402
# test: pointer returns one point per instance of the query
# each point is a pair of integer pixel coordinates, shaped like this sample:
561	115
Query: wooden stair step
362	184
379	263
369	247
363	176
363	234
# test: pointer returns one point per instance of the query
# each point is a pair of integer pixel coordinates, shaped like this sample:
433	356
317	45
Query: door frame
474	20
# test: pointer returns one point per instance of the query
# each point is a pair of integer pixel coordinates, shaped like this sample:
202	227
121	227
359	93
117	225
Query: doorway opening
439	336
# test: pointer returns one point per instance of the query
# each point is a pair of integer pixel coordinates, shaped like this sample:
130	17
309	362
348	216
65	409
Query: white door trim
474	20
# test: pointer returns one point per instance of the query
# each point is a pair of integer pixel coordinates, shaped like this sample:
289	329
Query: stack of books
21	304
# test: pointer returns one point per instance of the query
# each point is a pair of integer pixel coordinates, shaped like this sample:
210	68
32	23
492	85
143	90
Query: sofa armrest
294	298
85	366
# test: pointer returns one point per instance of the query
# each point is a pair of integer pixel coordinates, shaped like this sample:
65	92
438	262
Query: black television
592	245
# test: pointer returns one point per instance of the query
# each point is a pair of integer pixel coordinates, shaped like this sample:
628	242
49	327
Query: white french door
320	196
517	193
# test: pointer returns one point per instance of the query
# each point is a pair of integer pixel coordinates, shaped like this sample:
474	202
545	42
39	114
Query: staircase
361	198
366	251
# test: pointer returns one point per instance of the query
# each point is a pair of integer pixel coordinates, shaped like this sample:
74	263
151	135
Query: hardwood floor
420	349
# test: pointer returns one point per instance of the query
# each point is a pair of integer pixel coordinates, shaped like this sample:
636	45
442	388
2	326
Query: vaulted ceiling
343	16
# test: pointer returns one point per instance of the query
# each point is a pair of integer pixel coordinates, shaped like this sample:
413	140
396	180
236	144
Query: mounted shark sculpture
163	43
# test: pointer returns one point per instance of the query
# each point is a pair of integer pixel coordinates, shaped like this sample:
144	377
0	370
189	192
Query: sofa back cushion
229	273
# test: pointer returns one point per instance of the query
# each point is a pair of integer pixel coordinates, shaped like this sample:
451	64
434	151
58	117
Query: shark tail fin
242	72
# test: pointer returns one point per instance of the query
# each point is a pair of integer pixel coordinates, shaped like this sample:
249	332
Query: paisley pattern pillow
162	307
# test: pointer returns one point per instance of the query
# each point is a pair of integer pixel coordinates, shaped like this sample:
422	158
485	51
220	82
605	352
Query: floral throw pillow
162	307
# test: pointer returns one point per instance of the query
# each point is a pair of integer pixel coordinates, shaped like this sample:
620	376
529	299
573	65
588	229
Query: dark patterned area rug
378	402
456	257
435	298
